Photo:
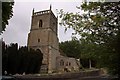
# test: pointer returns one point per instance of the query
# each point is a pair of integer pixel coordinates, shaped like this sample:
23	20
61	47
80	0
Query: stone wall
67	64
83	75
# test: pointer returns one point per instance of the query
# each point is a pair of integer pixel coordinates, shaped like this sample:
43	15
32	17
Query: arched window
61	63
38	50
69	64
40	23
38	40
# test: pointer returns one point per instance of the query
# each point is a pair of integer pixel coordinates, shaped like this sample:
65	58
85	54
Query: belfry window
38	40
40	23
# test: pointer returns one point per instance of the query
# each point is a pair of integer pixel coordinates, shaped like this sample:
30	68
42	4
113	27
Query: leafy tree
80	49
19	60
88	52
24	60
7	13
10	61
39	58
28	57
4	58
71	48
99	25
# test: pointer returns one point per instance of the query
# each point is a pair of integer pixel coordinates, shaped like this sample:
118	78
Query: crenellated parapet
41	12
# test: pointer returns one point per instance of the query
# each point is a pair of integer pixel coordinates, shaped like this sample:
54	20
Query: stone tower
43	36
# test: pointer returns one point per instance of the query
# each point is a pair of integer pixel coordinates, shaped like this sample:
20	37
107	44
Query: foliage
71	48
7	13
99	27
78	49
19	60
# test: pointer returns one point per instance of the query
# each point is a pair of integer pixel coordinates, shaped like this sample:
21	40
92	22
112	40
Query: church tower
43	36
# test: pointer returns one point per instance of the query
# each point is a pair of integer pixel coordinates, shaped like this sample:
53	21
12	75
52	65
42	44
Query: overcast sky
20	24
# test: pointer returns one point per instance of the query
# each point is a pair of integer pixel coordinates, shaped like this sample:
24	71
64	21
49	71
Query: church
44	36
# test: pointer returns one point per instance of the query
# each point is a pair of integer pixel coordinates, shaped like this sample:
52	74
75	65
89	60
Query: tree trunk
89	63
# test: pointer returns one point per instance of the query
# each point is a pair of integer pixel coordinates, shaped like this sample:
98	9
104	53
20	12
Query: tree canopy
7	13
98	25
71	48
79	50
19	61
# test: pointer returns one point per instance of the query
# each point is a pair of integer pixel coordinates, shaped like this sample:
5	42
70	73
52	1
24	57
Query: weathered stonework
43	36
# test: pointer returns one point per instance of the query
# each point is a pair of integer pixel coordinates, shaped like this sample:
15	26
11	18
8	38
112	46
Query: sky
20	24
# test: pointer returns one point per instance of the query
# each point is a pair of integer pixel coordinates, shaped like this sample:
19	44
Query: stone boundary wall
94	75
59	76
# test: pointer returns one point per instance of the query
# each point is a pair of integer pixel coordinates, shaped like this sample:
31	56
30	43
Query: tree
16	60
4	58
98	25
79	49
10	58
39	58
24	59
7	13
71	48
27	57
